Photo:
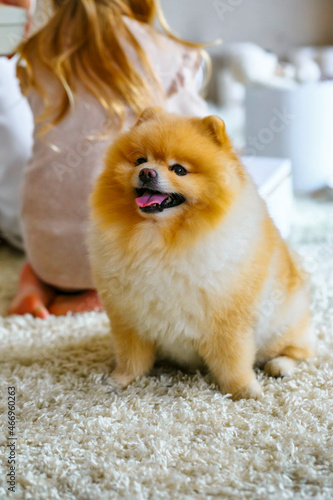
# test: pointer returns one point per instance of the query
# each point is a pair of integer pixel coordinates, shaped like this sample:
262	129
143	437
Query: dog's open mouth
154	201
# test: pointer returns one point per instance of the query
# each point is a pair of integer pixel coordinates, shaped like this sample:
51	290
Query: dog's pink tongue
148	199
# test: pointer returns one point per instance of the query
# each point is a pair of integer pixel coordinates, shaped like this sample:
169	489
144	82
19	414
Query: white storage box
12	25
274	181
294	123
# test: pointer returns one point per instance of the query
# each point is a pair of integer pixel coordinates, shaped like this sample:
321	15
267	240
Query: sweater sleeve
183	96
177	67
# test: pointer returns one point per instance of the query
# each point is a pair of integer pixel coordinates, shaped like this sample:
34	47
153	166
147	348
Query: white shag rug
171	435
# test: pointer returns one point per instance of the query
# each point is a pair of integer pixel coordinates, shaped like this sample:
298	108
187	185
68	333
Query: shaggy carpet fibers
170	435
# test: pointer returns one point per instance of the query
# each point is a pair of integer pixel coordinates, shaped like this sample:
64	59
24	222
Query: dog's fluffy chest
166	304
170	300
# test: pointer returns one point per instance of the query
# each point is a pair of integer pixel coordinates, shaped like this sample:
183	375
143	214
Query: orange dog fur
190	267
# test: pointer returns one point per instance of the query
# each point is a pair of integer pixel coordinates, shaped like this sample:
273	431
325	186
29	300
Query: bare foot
76	303
33	296
39	299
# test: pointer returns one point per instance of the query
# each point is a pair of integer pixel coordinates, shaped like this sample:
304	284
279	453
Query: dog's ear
149	114
214	127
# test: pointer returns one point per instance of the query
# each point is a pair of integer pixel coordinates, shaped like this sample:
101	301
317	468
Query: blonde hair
81	44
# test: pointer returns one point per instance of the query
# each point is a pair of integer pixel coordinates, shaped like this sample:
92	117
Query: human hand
25	4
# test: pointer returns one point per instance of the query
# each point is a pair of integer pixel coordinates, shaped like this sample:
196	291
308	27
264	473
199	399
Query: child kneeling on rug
88	73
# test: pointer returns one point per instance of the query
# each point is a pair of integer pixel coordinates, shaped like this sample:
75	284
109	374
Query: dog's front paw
117	380
251	391
282	366
122	379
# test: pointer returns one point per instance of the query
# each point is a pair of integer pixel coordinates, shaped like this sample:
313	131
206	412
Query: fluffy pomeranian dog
187	261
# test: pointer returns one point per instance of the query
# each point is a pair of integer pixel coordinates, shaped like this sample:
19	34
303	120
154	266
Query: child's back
69	146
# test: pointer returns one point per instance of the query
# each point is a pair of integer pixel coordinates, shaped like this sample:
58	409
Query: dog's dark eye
178	169
139	161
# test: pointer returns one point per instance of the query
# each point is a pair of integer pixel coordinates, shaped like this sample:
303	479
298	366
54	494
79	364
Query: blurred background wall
274	24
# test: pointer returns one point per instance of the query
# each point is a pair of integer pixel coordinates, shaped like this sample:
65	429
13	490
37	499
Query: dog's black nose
147	175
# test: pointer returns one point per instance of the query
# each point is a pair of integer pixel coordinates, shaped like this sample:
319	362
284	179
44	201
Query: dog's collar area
154	201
